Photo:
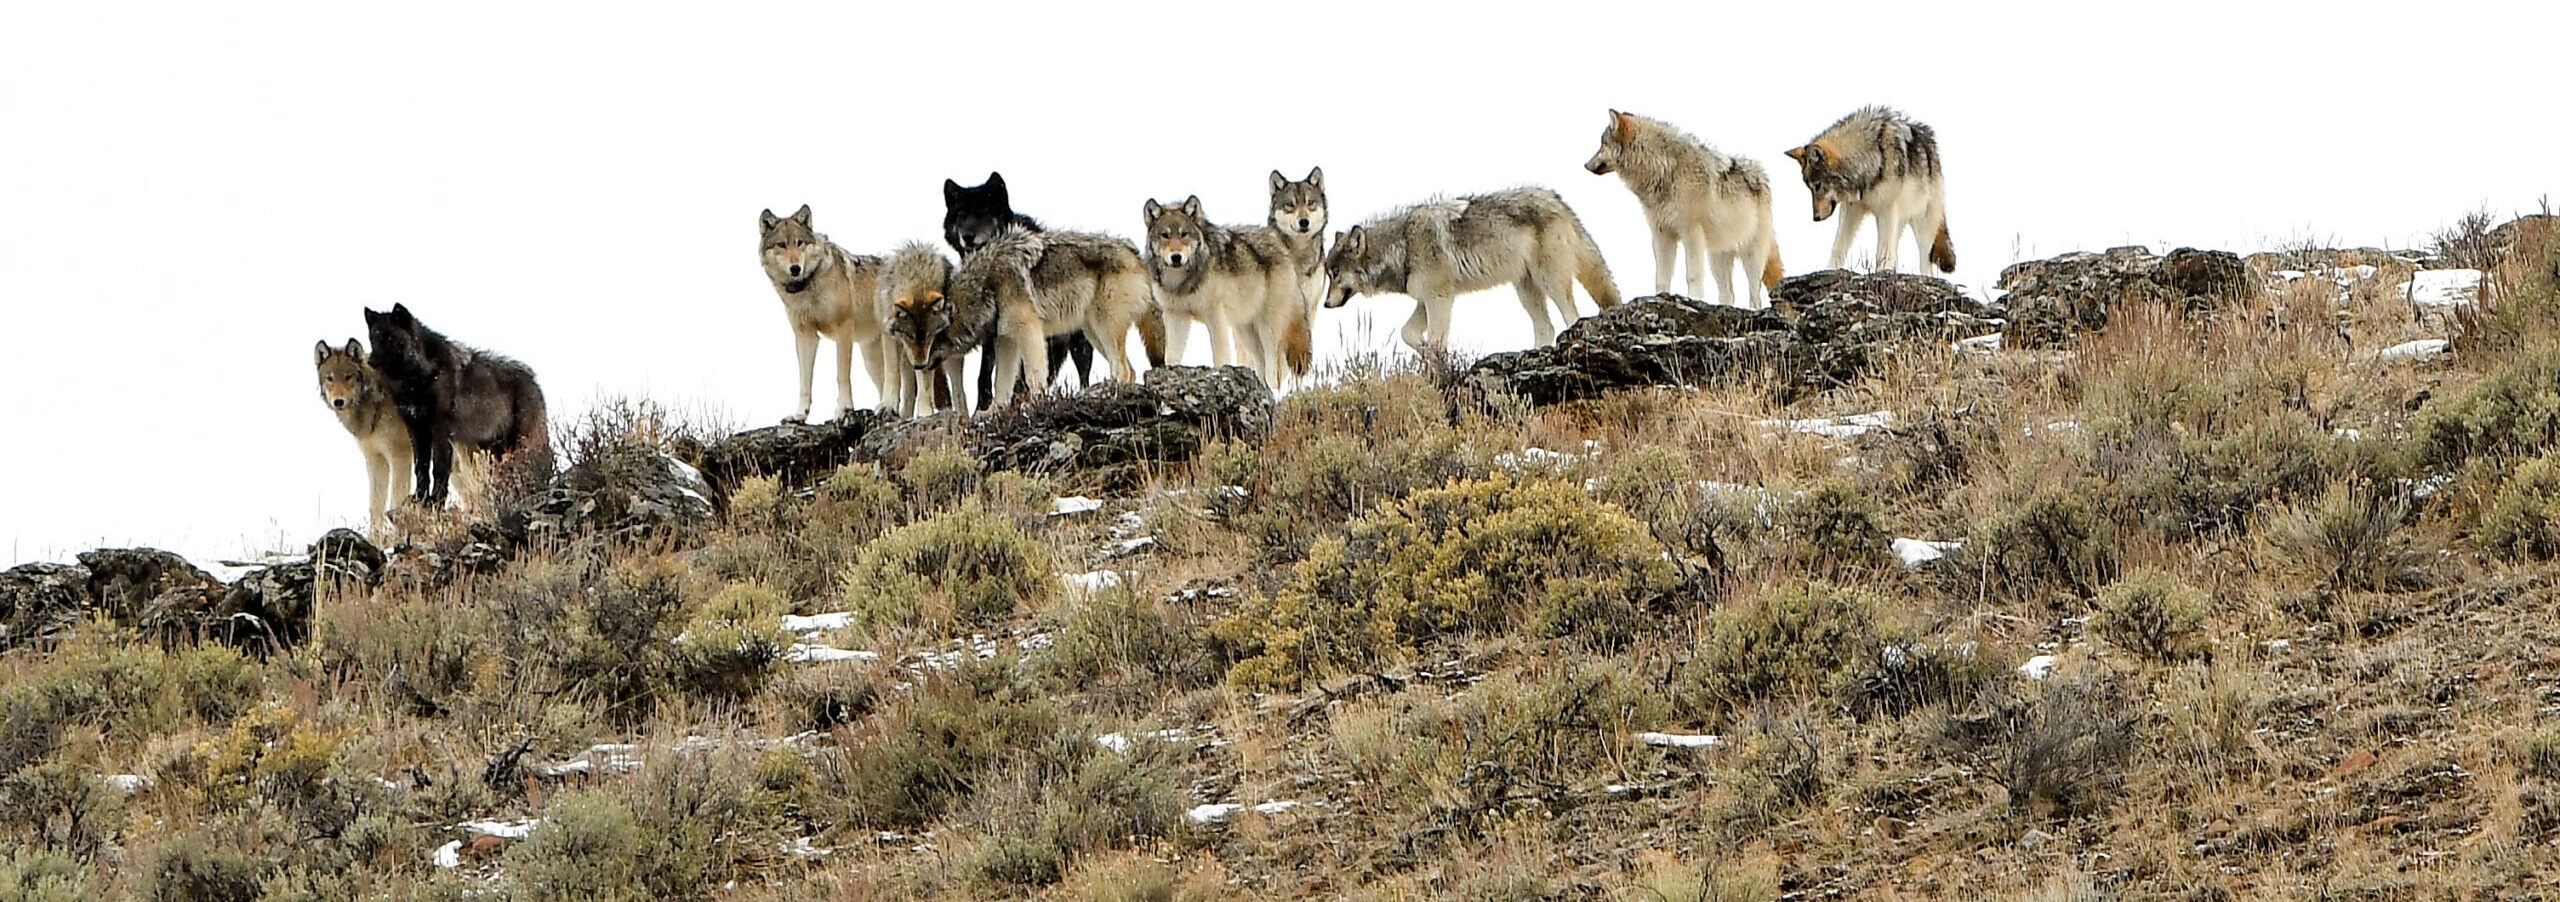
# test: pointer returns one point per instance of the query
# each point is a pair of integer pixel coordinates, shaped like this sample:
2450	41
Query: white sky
194	193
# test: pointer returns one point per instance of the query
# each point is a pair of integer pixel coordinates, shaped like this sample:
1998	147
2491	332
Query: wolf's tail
1592	271
1942	251
519	470
1772	272
1151	328
1298	344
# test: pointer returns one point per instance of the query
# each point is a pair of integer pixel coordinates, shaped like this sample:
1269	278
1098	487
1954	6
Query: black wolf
448	394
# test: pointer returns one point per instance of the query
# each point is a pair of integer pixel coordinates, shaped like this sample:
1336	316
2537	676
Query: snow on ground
1122	744
1979	344
2444	287
1543	459
1681	740
817	623
128	783
1915	552
2038	667
1072	505
1220	811
2414	350
1833	427
801	653
1095	581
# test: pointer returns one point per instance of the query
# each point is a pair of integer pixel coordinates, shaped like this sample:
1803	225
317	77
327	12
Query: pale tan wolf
1240	282
829	291
931	332
1298	213
1714	207
1051	283
354	391
1880	163
1436	250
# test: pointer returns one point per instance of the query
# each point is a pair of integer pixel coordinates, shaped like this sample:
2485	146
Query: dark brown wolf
451	394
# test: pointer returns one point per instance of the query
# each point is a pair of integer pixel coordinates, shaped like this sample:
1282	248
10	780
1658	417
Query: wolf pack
436	418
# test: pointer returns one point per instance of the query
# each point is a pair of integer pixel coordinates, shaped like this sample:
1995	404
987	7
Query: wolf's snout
1303	224
795	270
339	403
1174	258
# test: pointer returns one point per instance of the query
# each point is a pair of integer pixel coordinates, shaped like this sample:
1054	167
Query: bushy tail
1773	272
1942	252
1151	329
516	473
1592	271
1298	344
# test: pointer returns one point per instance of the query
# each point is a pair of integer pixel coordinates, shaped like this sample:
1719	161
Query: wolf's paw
797	419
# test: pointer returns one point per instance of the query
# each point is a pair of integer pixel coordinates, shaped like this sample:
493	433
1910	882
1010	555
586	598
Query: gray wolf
1879	163
1241	282
1042	285
829	291
1714	207
354	391
928	328
1441	248
449	394
1298	214
971	217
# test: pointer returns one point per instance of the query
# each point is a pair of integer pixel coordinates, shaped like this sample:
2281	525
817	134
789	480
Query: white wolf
1880	163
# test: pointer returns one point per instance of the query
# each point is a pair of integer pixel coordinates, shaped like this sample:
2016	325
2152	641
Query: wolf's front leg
1666	250
805	341
1849	215
844	377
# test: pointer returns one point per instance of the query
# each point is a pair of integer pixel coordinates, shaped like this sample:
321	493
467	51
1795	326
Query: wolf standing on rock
355	391
931	333
1880	163
1298	214
1438	249
1713	206
1242	283
449	394
829	291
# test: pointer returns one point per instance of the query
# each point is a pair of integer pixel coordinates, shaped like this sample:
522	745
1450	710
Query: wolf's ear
767	220
950	192
1316	177
401	312
1278	181
1626	123
1154	210
320	352
1191	206
995	180
355	349
1350	239
802	217
372	316
1797	153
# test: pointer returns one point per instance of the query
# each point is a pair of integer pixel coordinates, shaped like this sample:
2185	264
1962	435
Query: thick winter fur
1879	163
1298	214
927	329
356	393
1714	207
1436	250
451	395
972	216
1046	284
1241	282
828	291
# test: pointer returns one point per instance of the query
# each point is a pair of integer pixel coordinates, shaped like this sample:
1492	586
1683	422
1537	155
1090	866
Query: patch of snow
2353	435
2444	287
1072	505
2038	667
1535	458
1120	744
1133	546
607	757
449	855
1129	524
2279	644
802	848
817	623
2412	350
801	653
1214	812
2427	488
1979	344
499	829
1680	740
128	783
1834	427
1095	581
1234	492
1915	552
1268	809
